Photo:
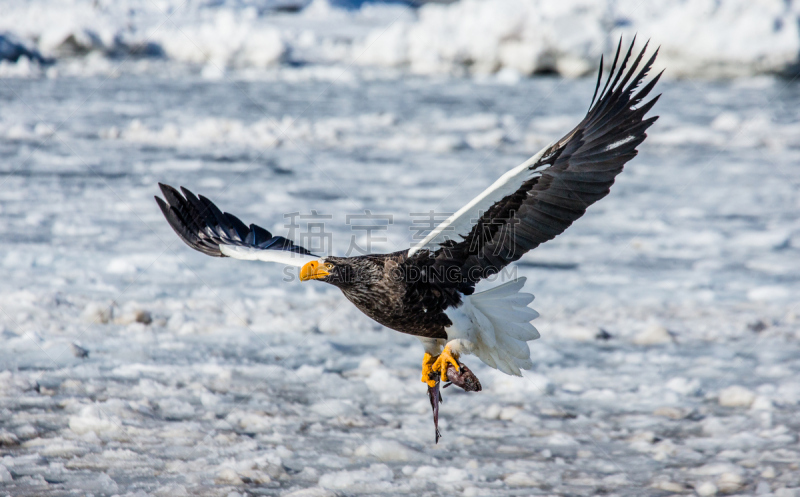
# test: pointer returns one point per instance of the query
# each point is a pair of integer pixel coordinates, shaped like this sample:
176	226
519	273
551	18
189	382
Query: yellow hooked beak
314	270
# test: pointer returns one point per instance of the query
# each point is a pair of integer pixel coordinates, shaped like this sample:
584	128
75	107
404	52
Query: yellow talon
427	368
440	365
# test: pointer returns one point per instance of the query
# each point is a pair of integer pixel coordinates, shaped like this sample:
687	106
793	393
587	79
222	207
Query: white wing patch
254	254
460	223
620	143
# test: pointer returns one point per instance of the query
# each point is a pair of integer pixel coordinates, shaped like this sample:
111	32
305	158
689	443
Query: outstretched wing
205	228
539	199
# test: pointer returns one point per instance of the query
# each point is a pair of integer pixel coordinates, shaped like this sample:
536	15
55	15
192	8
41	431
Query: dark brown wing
201	224
582	168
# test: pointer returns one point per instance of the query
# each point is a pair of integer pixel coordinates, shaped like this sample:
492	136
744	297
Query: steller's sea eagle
428	290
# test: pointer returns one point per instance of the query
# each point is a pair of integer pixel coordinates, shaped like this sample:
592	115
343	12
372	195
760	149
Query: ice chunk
5	475
94	419
311	492
387	450
347	479
520	479
97	313
706	489
654	334
736	396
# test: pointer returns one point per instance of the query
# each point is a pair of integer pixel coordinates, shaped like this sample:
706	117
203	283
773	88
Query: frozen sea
669	360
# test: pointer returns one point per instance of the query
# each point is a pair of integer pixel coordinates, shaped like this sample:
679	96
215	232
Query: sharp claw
437	365
428	362
444	359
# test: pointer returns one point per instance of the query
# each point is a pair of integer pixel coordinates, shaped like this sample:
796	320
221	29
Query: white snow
512	38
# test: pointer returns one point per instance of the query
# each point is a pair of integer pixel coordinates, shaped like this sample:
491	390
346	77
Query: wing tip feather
202	226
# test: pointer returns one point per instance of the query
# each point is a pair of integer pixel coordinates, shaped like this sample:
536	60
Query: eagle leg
446	357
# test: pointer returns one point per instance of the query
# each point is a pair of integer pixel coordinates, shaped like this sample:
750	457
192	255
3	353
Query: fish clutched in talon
457	374
436	398
463	378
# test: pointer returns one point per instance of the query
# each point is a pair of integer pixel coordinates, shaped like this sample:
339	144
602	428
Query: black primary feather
581	167
599	80
204	227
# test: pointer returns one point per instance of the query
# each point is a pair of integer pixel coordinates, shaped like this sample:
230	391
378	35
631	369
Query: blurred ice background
513	37
130	365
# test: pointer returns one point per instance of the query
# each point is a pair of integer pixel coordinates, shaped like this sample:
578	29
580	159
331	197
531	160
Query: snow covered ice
131	365
668	357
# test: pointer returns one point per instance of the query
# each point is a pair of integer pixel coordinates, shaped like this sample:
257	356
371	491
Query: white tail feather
495	326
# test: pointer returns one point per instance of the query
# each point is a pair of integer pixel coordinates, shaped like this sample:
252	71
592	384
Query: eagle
428	290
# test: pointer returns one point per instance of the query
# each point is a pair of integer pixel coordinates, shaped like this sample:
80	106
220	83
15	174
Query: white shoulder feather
256	254
460	223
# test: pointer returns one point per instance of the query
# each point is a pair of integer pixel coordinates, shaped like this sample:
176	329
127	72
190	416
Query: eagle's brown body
383	288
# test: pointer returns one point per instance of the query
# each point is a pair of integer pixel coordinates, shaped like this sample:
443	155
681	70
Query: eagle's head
338	271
